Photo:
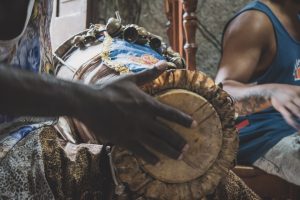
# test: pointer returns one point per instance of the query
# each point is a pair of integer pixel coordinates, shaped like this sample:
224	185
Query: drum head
205	141
213	144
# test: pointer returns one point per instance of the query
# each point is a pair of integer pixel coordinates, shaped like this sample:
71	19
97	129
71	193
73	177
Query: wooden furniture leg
175	32
190	27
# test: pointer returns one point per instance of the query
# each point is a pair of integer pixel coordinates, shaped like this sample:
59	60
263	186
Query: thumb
149	75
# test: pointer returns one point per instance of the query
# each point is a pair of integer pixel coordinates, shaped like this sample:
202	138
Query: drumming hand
120	113
286	100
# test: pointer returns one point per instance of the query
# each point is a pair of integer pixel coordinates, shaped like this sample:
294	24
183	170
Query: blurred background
73	16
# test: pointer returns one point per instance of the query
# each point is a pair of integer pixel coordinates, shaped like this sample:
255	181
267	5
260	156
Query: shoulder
246	38
249	26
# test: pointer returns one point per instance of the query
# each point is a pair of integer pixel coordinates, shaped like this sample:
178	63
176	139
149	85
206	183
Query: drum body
213	144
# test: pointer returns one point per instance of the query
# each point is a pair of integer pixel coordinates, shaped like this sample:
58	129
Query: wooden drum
213	144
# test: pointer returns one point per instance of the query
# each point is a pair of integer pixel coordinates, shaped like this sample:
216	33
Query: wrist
266	91
85	99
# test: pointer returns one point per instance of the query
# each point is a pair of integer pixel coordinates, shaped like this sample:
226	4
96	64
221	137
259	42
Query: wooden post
174	12
169	12
190	27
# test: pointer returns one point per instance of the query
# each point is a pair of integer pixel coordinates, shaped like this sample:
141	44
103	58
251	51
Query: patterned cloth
233	188
31	52
74	171
87	175
33	49
134	56
22	173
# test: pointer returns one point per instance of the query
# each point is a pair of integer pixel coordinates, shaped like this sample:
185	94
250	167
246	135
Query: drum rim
209	181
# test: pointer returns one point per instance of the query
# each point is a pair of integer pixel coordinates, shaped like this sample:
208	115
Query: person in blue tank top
260	68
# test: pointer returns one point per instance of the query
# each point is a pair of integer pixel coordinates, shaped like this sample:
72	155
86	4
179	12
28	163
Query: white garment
283	159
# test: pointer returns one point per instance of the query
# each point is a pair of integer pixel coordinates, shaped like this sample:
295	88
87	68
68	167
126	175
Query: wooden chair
182	26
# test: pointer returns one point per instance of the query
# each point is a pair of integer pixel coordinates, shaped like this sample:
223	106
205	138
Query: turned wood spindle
190	27
169	24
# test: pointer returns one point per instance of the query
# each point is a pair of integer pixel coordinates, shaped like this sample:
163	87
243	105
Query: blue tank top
266	128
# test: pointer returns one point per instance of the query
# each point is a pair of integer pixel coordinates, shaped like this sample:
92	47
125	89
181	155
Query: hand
286	100
120	113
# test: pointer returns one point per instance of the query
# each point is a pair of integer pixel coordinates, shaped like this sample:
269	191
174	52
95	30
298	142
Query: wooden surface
182	25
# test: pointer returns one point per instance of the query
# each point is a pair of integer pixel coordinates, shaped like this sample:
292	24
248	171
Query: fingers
293	108
296	101
174	115
161	146
172	138
149	75
289	118
141	151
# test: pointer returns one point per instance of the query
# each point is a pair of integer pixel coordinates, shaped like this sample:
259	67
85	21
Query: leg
283	159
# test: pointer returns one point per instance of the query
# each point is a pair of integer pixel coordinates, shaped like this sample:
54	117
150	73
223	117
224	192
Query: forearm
25	93
249	98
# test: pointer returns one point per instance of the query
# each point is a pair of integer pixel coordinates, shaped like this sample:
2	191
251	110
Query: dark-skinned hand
119	112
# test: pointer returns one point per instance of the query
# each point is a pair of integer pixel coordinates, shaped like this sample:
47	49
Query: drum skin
213	144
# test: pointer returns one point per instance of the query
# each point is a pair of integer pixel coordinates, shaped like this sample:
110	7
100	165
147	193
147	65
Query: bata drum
97	55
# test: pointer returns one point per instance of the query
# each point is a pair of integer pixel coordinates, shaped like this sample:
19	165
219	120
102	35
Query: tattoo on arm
251	104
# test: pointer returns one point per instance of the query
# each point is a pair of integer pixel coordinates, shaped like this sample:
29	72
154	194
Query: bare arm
245	41
248	50
25	93
249	98
118	112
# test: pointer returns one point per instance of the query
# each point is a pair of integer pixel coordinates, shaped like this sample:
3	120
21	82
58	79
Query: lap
74	171
40	165
22	169
283	159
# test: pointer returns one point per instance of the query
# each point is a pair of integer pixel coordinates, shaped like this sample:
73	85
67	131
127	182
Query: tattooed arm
249	47
251	104
242	60
248	98
253	98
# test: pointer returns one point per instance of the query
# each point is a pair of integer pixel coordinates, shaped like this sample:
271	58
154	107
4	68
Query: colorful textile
16	134
125	57
33	49
21	165
22	173
136	57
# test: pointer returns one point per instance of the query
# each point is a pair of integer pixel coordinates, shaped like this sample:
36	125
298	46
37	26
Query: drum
213	144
